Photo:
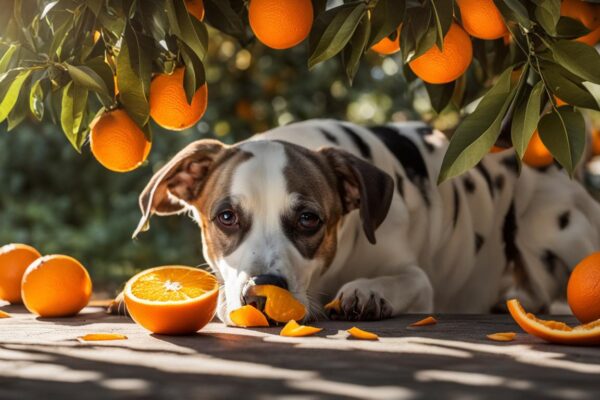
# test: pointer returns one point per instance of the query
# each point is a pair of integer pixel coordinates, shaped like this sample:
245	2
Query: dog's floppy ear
363	186
179	182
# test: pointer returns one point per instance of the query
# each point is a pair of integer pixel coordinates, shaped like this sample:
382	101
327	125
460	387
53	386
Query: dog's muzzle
248	296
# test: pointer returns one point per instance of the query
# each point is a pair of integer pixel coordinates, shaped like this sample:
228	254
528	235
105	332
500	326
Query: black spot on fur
511	163
551	261
509	233
423	132
564	219
469	184
456	204
499	182
479	240
329	136
408	154
358	141
486	175
400	184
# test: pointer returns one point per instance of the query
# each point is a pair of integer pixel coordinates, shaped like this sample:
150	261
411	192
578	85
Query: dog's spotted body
331	209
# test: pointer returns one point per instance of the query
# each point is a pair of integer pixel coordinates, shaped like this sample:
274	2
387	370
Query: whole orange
482	19
168	104
118	143
537	154
583	289
435	66
588	14
56	286
195	8
596	141
388	46
280	24
14	260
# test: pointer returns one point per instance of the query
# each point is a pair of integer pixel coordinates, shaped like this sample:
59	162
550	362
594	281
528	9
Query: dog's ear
179	182
361	185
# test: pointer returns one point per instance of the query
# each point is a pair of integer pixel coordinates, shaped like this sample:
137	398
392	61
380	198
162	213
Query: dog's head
269	211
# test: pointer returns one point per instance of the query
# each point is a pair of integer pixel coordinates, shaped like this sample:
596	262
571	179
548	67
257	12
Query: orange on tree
537	154
482	19
280	24
280	306
117	142
172	300
435	66
554	331
14	260
583	289
388	46
169	107
56	286
497	149
248	316
195	8
596	141
588	14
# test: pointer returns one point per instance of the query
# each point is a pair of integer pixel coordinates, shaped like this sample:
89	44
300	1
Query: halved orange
172	300
362	334
293	329
425	321
502	336
554	331
281	305
248	316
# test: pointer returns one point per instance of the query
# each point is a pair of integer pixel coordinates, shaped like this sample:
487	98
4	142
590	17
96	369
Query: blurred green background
63	202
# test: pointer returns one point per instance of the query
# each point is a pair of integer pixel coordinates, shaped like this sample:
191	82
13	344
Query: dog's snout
248	295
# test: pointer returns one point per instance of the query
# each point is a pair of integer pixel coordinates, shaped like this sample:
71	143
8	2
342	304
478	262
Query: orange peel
293	329
358	333
95	337
424	322
502	336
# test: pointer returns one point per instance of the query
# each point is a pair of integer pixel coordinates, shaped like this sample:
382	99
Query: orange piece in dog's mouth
4	314
293	329
248	317
334	305
425	321
281	305
502	336
362	335
94	337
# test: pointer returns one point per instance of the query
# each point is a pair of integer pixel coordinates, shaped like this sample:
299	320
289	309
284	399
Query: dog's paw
361	304
117	306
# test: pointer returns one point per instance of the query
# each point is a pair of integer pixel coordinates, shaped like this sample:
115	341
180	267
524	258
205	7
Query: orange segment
281	306
425	321
248	316
14	260
334	305
292	329
554	331
172	299
362	335
502	336
94	337
4	314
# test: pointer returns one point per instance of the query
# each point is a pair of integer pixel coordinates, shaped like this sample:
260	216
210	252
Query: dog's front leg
410	291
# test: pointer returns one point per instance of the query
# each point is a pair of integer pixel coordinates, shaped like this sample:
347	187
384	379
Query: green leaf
579	58
188	28
356	47
478	132
567	86
194	76
222	16
104	71
60	33
547	14
440	95
386	17
443	13
594	91
7	57
12	93
514	10
570	28
88	78
563	133
332	30
73	108
414	29
36	100
526	119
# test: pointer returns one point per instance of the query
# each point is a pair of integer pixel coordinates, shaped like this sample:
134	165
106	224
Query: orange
292	329
195	8
280	24
387	46
554	331
435	66
14	260
559	102
56	286
583	289
425	321
502	336
595	141
248	316
537	154
168	105
357	333
172	300
588	14
497	149
281	306
482	19
118	143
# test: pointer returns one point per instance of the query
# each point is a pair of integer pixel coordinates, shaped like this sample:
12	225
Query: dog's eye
227	218
309	221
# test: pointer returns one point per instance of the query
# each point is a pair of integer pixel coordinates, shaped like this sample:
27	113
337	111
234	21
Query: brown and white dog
330	210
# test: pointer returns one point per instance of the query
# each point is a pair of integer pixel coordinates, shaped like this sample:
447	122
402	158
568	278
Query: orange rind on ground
360	334
293	329
424	322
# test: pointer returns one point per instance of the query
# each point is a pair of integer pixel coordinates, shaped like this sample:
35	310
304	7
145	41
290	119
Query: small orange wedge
502	336
554	331
293	329
281	305
248	316
362	335
4	314
334	305
95	337
172	300
424	322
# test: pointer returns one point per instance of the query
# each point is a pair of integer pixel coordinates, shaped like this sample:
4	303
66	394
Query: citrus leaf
594	90
7	57
194	76
567	86
36	100
414	29
332	30
443	13
72	112
514	10
88	78
440	95
478	132
12	92
356	48
188	28
547	14
563	133
385	19
526	119
579	58
570	28
222	16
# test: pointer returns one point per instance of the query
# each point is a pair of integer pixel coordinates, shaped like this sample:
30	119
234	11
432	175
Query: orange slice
248	316
172	300
425	321
4	314
334	305
104	303
554	331
502	336
292	329
281	305
94	337
362	335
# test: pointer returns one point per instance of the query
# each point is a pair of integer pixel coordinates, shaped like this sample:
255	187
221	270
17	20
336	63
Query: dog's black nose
248	296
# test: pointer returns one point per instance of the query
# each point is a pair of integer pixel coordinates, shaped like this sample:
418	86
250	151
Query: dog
332	210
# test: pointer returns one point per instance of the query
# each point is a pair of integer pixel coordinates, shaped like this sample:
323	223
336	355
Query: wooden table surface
41	358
